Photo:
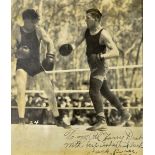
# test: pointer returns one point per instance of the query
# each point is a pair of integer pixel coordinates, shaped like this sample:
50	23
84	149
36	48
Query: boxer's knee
93	93
21	80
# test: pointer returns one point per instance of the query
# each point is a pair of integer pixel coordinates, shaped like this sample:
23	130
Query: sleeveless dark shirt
92	41
31	64
93	47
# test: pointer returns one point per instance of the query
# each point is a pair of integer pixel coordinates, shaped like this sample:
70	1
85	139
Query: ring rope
83	91
86	91
82	70
77	108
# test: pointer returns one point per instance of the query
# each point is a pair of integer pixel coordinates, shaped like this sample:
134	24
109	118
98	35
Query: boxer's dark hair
30	14
95	13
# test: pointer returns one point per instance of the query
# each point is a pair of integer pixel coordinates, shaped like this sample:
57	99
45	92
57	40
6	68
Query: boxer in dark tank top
26	48
31	64
99	48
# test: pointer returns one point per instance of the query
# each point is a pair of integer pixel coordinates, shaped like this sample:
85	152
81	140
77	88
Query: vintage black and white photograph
77	77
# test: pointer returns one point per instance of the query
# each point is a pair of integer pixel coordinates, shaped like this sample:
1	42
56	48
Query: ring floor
53	140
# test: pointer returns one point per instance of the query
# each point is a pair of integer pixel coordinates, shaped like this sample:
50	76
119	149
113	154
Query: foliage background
63	20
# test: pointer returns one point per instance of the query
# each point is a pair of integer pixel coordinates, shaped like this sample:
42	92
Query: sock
21	120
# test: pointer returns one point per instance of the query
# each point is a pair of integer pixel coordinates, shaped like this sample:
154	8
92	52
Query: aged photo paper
76	77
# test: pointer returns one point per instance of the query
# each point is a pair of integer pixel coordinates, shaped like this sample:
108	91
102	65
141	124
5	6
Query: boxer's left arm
48	41
79	39
112	51
50	55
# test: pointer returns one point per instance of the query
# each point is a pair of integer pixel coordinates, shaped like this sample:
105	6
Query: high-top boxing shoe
59	122
125	116
101	125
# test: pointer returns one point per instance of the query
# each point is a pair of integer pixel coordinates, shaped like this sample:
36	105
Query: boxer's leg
95	95
97	100
21	79
46	84
114	100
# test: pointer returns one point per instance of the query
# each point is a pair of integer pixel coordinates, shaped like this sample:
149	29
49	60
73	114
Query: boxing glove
23	52
48	62
65	49
95	59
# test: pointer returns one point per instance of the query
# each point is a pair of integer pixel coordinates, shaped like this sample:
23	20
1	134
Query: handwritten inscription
104	142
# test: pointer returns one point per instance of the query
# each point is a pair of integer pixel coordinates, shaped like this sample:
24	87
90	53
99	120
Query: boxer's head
30	17
93	17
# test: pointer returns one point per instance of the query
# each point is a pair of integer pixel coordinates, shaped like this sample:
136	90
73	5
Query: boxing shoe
22	121
60	123
101	125
125	115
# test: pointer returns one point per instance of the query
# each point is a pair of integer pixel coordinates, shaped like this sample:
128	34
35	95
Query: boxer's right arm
13	45
67	48
15	37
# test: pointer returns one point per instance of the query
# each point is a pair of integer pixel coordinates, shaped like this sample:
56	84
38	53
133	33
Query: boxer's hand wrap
99	57
50	56
95	59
